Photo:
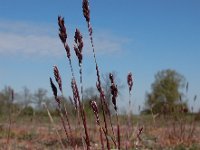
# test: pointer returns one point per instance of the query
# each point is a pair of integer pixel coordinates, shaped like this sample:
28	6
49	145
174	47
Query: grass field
95	126
39	133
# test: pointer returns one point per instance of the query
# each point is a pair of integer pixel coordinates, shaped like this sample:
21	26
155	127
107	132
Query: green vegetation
166	95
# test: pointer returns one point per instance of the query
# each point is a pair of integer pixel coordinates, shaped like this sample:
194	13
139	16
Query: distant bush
197	116
27	111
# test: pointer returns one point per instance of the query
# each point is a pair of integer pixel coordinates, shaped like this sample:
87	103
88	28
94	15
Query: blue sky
130	35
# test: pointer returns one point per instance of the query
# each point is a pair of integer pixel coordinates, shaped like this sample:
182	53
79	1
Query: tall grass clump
112	139
104	105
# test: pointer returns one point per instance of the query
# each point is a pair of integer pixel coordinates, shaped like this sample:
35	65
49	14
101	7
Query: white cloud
28	44
27	39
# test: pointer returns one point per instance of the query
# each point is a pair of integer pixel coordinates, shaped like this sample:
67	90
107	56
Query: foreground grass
38	133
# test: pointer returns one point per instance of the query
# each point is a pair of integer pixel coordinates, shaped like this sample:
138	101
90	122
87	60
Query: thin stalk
118	132
53	123
83	116
55	93
114	93
81	80
93	104
129	122
111	124
11	99
9	128
68	122
86	13
130	85
59	82
101	137
63	37
78	48
105	123
63	121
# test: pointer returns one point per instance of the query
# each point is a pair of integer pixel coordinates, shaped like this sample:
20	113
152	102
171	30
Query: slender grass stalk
53	123
54	89
69	126
139	132
114	93
83	116
63	38
11	99
193	124
130	85
75	99
103	106
106	111
93	104
118	132
78	48
86	14
58	77
59	82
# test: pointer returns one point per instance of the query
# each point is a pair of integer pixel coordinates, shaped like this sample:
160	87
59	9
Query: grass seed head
63	34
130	81
62	29
75	96
57	77
54	88
86	10
78	47
93	104
114	91
67	49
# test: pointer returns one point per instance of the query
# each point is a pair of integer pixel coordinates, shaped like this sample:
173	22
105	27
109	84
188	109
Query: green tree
166	92
6	99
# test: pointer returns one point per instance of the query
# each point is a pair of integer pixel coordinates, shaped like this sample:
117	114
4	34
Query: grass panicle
77	101
54	89
93	104
82	112
86	14
57	77
78	48
114	93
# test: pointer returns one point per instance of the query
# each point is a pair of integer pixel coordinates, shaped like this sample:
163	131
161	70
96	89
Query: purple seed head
54	89
130	81
78	47
57	77
75	96
78	38
111	78
114	91
93	104
67	49
86	10
62	29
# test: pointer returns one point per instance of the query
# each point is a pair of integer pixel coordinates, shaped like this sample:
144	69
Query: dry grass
41	134
67	132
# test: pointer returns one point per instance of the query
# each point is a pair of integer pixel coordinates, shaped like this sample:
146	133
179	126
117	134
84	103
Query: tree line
166	95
